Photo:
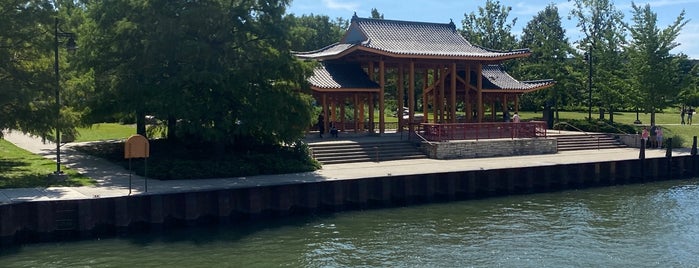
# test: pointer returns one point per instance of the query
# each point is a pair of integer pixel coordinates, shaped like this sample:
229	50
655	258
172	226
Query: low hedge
173	162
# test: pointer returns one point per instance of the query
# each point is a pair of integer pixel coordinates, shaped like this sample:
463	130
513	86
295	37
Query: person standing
659	137
690	113
321	124
515	118
644	135
682	113
653	137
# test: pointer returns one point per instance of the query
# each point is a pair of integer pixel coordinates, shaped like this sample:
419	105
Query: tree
546	39
311	32
220	72
27	81
653	69
490	28
601	23
375	14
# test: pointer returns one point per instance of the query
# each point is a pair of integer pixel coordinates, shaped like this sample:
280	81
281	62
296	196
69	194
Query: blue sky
443	10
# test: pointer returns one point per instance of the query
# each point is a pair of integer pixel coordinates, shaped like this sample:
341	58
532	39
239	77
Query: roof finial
453	26
354	17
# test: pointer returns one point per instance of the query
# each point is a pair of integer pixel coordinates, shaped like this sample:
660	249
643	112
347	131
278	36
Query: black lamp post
71	46
588	58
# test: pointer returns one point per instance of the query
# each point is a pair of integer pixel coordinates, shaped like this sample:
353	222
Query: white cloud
341	5
687	39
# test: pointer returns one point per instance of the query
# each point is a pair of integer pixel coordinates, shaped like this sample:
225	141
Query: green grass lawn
20	169
105	131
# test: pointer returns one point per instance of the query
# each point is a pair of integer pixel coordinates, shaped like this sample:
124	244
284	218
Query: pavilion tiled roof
496	78
341	75
407	38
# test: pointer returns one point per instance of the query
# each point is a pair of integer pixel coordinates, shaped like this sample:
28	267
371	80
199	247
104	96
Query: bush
602	126
175	161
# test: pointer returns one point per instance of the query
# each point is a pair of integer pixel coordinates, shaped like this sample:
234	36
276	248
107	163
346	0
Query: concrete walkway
113	180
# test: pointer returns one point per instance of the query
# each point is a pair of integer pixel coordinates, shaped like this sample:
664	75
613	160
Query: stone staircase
573	142
353	152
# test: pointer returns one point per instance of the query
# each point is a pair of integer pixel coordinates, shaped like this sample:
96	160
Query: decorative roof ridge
450	24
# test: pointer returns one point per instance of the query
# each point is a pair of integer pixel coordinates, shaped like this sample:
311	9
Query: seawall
86	218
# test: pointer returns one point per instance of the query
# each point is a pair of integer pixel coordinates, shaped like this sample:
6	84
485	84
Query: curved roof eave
320	55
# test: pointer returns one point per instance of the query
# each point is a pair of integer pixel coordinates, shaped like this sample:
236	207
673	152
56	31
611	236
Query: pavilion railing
476	131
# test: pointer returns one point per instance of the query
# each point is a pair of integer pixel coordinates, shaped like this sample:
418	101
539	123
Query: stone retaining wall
489	148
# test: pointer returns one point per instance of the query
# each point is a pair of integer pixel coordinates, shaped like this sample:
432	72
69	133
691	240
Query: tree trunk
171	128
141	123
652	117
611	114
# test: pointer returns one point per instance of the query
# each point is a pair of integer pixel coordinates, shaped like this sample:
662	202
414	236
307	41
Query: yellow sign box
136	146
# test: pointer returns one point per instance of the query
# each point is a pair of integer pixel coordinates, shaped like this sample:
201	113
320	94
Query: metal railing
476	131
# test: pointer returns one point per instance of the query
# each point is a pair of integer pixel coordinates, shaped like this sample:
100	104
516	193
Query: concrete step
354	152
587	142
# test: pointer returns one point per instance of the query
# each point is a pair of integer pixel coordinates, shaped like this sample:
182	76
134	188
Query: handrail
618	129
580	130
422	138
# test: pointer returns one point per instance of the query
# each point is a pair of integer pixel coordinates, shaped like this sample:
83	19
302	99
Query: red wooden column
356	112
425	97
382	85
435	94
325	111
479	88
452	101
400	94
411	95
442	95
467	98
370	101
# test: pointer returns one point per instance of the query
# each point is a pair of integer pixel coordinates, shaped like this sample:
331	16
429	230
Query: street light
70	46
588	58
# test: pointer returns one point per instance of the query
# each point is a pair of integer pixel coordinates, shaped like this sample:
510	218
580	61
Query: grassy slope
19	168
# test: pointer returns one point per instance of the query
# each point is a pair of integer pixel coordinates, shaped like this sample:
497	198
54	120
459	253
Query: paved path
113	180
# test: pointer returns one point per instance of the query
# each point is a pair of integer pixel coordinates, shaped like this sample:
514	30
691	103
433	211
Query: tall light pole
70	45
588	57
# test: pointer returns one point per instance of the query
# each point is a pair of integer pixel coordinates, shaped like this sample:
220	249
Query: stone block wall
489	148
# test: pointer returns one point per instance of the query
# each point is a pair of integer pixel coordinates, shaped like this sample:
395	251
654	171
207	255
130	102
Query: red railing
476	131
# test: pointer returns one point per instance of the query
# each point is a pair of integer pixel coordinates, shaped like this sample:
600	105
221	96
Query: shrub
602	126
170	161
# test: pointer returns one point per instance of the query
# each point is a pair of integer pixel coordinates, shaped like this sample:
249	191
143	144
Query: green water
646	225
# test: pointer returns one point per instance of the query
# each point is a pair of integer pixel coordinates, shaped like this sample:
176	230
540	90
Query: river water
642	225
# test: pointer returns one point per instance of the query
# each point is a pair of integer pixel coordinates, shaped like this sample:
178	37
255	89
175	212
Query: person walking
682	113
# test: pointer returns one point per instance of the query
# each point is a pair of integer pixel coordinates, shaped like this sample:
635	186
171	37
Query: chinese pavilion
452	71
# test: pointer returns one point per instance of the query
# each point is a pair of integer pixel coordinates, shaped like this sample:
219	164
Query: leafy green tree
653	69
27	80
375	14
601	23
490	27
689	94
311	32
546	39
220	72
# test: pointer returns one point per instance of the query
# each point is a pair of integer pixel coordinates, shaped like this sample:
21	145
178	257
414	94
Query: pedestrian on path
644	135
659	137
690	113
653	136
682	113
